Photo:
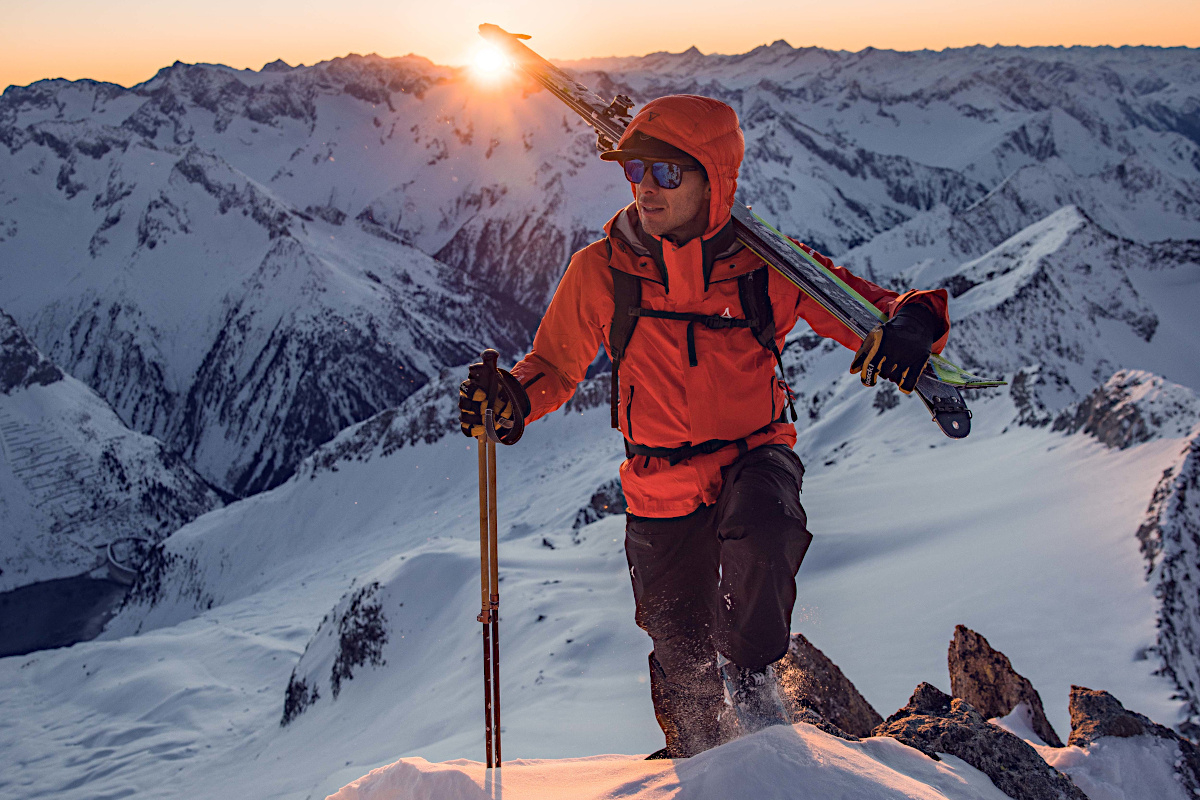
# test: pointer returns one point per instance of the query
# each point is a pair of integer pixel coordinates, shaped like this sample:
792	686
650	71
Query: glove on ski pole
489	387
898	349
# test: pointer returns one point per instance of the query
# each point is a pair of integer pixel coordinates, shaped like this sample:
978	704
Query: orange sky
127	41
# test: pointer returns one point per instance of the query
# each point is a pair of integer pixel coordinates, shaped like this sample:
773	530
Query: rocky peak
810	680
933	723
985	678
1097	714
1133	406
21	364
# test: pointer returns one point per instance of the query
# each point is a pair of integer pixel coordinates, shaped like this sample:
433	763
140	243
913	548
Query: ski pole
489	570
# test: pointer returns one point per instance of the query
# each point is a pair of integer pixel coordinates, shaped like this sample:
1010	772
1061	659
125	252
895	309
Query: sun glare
489	64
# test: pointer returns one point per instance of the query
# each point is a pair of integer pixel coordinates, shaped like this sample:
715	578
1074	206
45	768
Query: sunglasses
666	175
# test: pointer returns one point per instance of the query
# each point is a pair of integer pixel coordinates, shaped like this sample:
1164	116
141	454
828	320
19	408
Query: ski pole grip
490	358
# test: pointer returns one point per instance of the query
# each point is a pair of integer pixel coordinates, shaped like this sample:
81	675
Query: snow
1019	722
1121	769
1110	769
1049	572
768	764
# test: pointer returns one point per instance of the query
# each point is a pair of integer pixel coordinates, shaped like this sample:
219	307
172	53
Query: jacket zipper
629	415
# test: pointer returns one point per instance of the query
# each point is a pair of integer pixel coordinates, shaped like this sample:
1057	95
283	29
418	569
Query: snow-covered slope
252	599
72	477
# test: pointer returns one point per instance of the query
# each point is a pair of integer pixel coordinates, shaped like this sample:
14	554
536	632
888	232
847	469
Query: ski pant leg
674	564
764	535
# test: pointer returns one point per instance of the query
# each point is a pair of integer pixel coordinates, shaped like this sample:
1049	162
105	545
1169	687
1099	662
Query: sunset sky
127	41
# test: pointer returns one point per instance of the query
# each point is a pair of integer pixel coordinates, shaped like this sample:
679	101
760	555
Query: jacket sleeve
889	302
570	334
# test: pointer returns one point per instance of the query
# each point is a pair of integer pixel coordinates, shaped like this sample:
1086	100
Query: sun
489	64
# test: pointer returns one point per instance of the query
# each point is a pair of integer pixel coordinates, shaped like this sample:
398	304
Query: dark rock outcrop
933	722
1169	537
21	364
350	637
818	690
608	499
1097	714
1133	406
985	678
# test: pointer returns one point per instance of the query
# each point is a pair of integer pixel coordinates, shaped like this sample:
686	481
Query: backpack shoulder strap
756	305
627	296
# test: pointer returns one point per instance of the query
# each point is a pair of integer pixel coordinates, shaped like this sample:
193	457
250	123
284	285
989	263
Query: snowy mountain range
277	275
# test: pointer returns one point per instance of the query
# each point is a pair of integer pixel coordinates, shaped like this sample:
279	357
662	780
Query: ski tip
487	28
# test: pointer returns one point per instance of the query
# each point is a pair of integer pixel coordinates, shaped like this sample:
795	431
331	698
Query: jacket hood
706	129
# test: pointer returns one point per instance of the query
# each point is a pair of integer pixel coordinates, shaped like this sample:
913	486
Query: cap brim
626	155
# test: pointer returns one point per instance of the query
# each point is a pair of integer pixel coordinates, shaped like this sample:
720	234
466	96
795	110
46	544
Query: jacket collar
625	231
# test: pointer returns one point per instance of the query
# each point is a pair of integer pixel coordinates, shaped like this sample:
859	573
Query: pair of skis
939	384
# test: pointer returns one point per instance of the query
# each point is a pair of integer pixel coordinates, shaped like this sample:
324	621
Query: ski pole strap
675	455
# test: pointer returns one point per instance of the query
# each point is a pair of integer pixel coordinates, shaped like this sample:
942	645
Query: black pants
722	578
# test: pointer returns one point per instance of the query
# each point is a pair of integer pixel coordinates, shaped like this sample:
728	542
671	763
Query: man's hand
898	349
510	404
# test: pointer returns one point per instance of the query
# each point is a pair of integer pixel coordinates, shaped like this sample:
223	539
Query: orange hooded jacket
732	392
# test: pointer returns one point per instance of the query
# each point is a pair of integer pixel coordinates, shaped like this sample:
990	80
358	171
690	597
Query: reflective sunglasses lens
668	176
635	170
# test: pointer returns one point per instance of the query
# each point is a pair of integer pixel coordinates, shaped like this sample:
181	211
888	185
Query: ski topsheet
939	385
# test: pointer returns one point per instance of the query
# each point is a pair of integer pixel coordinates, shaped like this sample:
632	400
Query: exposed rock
349	637
362	633
1096	714
21	364
1170	541
1133	406
933	722
985	678
1036	391
426	416
593	392
813	683
807	715
886	398
607	500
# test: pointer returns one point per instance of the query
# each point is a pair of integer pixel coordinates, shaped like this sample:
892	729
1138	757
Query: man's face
679	214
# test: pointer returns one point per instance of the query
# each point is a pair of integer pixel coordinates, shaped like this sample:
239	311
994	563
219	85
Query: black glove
510	403
898	349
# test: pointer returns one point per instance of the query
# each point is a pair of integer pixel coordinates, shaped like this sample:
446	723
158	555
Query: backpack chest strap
709	321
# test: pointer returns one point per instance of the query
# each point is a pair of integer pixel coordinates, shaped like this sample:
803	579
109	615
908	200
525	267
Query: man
694	322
